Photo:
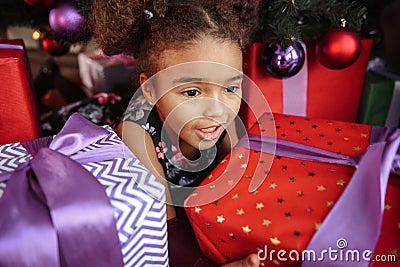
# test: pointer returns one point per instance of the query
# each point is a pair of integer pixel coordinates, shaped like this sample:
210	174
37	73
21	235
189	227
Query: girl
181	122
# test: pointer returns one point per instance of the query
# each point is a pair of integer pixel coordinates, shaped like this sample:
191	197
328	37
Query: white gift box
101	73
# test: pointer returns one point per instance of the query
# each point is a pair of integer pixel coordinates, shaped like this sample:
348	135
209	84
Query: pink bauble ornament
338	48
67	23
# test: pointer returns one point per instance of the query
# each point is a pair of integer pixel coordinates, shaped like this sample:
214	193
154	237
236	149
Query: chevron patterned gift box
54	213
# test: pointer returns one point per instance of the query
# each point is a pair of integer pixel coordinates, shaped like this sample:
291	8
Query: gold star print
275	241
329	203
394	253
197	209
276	262
300	193
266	222
340	182
195	194
243	166
240	212
230	182
210	176
273	185
254	192
235	196
259	206
212	187
321	188
357	148
317	226
364	135
240	156
388	207
224	160
220	218
226	171
246	229
346	138
248	177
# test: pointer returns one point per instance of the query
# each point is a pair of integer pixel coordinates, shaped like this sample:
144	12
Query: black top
179	171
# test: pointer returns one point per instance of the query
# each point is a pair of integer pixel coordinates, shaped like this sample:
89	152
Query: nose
214	107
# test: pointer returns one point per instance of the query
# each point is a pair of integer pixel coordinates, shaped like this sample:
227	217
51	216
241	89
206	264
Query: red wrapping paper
331	94
293	200
19	118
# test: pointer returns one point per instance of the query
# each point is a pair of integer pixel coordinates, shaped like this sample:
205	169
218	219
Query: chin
206	144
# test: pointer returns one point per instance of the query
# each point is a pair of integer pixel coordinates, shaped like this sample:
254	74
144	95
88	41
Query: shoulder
139	141
138	110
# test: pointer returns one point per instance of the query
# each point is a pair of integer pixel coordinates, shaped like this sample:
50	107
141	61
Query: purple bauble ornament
67	23
283	61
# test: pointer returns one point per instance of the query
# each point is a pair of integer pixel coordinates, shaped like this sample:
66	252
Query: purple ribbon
349	233
11	46
53	211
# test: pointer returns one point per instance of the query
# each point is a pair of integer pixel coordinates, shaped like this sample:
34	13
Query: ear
147	88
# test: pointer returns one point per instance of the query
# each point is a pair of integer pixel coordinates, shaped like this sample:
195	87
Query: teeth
208	130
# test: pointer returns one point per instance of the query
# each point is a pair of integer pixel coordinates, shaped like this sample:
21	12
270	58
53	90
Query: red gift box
19	115
295	196
328	94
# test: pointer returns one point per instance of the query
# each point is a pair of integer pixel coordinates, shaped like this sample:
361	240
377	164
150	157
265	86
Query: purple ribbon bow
349	233
54	213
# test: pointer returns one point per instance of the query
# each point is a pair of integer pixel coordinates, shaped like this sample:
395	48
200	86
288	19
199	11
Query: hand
250	261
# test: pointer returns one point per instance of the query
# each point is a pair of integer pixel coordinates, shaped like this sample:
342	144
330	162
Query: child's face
198	92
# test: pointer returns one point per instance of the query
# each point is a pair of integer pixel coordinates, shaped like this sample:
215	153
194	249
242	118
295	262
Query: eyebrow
234	78
198	79
187	80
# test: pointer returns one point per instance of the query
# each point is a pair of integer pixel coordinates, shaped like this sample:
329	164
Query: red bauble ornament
53	47
338	48
40	3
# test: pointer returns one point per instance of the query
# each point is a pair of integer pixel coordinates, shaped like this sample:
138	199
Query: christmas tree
287	24
307	19
58	24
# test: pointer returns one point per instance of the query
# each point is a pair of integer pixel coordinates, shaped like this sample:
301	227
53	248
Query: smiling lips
209	133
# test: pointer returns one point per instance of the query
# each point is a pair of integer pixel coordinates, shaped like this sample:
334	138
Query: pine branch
19	13
307	19
84	7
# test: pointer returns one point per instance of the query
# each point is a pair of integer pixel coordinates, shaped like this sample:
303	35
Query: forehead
206	60
197	71
205	49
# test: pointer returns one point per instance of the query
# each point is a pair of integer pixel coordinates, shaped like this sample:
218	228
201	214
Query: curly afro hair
144	29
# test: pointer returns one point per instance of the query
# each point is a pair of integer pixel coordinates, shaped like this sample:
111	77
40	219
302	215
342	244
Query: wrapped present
18	104
380	100
312	196
101	109
80	198
111	74
316	91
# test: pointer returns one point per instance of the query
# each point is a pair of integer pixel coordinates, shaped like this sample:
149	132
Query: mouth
209	133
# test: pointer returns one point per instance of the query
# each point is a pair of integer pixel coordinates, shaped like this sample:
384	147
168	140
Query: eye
232	89
191	92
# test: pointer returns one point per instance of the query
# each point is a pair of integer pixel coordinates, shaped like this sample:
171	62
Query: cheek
175	116
234	105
